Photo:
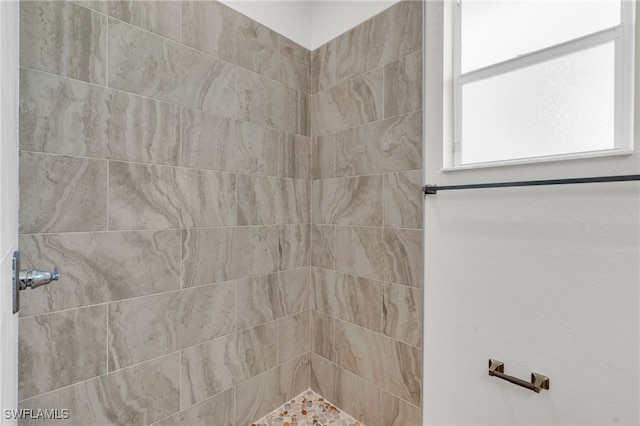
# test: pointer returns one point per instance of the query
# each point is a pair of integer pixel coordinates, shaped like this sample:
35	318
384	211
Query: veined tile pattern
366	231
133	150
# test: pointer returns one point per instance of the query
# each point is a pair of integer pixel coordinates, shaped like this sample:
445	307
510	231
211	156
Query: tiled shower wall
164	168
366	233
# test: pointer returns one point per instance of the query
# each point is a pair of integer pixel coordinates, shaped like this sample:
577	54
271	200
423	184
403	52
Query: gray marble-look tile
403	199
60	194
148	65
323	246
294	65
293	336
266	200
100	267
324	156
346	390
293	201
63	38
394	366
322	327
147	327
216	366
397	412
348	201
60	349
267	102
390	145
352	103
69	117
295	156
211	27
217	143
145	196
323	67
268	297
238	252
359	251
161	17
257	48
138	395
219	409
403	85
293	246
402	313
403	250
257	200
354	299
258	396
386	37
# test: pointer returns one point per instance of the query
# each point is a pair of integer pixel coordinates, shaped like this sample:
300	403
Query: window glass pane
563	105
494	31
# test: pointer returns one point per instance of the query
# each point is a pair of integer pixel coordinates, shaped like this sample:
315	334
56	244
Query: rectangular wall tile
257	48
324	165
403	85
403	313
346	390
397	412
138	395
239	252
219	409
60	194
149	197
392	365
388	36
294	246
322	246
258	396
63	116
257	200
322	336
100	267
216	366
295	156
394	144
403	199
146	327
323	67
292	205
359	251
63	38
267	102
293	336
349	201
211	27
145	64
294	65
60	349
403	249
161	17
354	299
267	297
352	103
218	143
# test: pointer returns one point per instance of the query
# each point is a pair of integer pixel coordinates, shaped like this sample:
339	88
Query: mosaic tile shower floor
307	409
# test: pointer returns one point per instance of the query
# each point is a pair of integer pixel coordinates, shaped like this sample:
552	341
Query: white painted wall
545	279
310	23
9	51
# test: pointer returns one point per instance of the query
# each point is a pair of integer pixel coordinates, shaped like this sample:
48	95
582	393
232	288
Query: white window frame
623	37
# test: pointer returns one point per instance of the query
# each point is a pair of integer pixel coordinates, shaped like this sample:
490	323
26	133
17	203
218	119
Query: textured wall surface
165	166
366	210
